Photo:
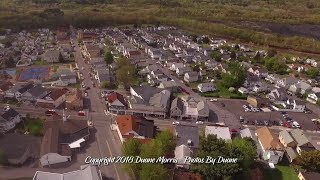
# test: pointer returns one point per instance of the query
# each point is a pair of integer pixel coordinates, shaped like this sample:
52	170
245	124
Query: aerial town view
159	89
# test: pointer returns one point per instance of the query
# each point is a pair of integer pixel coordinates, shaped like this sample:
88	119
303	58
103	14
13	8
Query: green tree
309	160
108	85
245	150
312	72
214	147
216	56
233	54
132	147
154	172
235	77
108	57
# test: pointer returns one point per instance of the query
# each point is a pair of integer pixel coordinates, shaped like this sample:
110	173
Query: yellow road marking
112	156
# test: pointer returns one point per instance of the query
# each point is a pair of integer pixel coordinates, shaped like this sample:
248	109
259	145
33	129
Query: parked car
49	112
175	122
241	119
199	122
266	123
81	113
280	123
223	105
213	99
296	124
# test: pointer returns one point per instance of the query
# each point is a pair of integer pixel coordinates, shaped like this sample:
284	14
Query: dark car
223	105
87	88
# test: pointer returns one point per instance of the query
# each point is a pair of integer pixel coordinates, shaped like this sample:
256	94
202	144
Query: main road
107	141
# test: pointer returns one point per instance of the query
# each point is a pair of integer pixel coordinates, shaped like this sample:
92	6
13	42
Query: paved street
107	143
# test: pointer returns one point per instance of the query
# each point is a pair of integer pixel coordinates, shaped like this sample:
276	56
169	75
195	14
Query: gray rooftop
86	172
286	136
185	133
299	137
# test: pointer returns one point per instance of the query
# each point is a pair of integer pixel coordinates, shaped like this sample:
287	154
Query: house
272	149
69	78
295	105
308	175
62	137
54	99
86	172
183	70
278	94
248	133
36	92
257	101
17	90
116	103
303	143
286	139
206	87
221	132
313	98
272	78
188	136
191	77
175	66
300	88
52	56
4	86
171	85
149	101
287	82
8	119
180	153
189	108
18	148
243	90
257	71
129	126
176	110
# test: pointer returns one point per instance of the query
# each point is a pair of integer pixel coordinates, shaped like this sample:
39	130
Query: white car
296	124
212	100
175	123
245	106
85	94
199	122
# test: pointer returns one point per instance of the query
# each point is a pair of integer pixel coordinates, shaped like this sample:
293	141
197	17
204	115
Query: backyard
224	92
283	171
31	125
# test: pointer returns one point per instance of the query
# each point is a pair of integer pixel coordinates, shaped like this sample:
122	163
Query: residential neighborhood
77	93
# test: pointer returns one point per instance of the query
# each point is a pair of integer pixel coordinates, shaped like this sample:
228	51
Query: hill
289	24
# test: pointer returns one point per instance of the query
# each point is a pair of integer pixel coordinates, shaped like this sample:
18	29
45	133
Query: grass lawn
283	171
77	85
40	62
33	125
224	93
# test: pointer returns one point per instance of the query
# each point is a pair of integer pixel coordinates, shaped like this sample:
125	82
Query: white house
175	66
206	87
243	90
272	149
313	97
220	132
180	153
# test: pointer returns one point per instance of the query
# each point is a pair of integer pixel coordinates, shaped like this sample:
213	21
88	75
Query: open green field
247	21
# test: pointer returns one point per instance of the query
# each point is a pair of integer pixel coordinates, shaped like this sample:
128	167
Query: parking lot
273	117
